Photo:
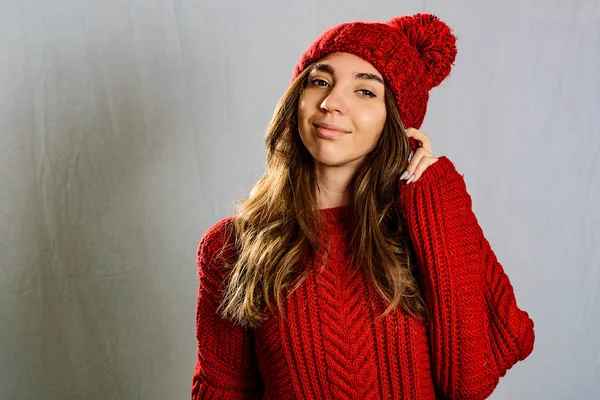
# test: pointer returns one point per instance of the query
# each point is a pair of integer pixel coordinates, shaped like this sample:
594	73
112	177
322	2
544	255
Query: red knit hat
413	53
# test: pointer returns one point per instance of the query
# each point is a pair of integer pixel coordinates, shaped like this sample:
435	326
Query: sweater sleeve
226	366
477	331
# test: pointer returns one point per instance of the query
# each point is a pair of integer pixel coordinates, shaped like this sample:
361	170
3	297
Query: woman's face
341	112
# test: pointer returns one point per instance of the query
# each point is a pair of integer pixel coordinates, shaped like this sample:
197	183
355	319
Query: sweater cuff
436	173
440	174
439	170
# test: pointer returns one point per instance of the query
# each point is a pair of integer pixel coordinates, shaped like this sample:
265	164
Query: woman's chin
330	160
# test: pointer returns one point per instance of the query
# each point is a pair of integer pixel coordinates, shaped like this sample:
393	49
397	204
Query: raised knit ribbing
328	343
477	330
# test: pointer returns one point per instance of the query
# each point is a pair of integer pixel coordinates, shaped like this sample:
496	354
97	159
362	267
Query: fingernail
410	179
403	175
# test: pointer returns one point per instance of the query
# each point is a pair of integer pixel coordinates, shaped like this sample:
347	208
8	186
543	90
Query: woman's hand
422	158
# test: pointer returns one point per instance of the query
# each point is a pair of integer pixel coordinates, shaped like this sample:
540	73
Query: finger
421	137
410	156
424	163
414	161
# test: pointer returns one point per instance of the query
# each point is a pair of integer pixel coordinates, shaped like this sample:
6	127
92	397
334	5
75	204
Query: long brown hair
278	225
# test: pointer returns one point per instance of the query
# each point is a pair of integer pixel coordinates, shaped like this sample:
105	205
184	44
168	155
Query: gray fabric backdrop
129	127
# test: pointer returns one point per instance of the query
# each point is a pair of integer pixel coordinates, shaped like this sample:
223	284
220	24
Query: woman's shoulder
217	240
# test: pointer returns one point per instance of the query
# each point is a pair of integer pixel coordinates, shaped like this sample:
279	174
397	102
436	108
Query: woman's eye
367	93
315	81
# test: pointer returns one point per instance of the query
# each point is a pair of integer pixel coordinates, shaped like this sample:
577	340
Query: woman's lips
327	133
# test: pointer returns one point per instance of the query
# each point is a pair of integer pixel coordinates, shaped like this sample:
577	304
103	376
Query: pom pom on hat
434	41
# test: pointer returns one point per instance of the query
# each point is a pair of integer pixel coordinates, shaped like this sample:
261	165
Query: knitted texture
328	344
413	54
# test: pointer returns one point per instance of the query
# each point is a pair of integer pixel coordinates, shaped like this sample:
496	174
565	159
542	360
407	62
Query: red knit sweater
330	345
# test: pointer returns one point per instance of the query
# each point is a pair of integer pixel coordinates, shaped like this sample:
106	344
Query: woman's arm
226	366
477	332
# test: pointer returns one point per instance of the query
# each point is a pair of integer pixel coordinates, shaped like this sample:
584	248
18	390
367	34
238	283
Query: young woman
356	268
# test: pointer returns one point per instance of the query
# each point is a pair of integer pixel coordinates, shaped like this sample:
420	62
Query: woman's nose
334	102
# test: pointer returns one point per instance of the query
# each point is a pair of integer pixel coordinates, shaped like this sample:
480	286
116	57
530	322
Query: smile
329	133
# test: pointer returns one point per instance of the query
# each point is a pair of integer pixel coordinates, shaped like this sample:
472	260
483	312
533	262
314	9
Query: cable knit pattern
328	344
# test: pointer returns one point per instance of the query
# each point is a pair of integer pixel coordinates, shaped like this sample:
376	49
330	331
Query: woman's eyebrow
324	67
366	75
